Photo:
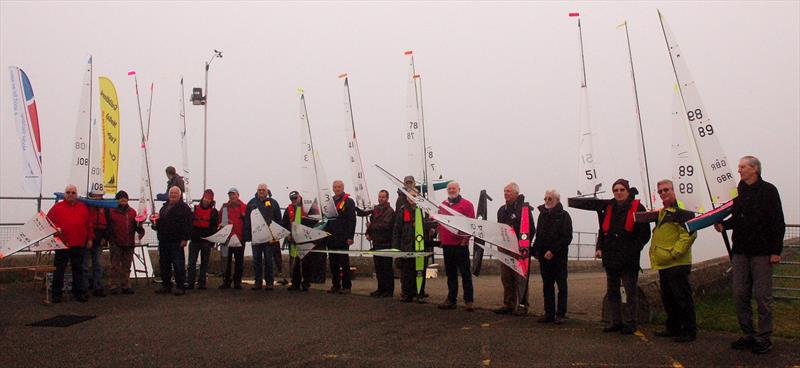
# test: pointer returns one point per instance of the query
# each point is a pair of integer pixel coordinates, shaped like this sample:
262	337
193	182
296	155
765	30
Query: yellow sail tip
623	24
300	90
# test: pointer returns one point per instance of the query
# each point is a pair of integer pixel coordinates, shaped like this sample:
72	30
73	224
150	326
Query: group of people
624	229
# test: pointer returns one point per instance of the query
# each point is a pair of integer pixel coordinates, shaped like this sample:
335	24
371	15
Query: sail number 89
705	130
685	170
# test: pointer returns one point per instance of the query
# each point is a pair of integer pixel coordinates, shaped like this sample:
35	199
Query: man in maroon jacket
122	241
71	219
456	251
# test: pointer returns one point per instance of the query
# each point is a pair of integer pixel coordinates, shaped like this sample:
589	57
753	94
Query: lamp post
199	99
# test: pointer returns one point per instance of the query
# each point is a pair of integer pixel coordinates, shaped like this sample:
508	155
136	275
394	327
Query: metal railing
786	275
581	248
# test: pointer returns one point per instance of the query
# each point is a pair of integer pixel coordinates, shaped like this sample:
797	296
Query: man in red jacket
456	250
124	228
71	219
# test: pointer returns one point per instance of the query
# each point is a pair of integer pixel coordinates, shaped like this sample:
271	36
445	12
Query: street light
199	99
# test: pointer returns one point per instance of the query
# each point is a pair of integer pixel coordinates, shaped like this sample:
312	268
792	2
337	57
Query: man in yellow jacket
671	255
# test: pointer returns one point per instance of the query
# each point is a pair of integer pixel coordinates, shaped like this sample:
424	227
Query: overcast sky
501	88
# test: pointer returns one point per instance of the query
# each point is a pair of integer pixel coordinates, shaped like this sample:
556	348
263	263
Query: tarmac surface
244	328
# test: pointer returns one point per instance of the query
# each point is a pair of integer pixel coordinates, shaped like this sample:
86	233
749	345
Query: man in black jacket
758	228
263	259
551	247
620	242
301	267
342	229
511	214
205	222
173	223
379	232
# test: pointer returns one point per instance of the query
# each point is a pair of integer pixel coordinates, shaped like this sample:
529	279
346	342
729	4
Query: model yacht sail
109	113
688	184
146	205
589	183
184	149
360	192
81	145
26	115
644	170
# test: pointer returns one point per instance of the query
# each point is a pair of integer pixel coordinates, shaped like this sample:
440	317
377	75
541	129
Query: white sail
27	118
325	190
719	179
35	229
81	145
589	183
263	233
304	234
146	206
360	192
185	150
96	179
686	177
308	176
222	235
496	233
416	148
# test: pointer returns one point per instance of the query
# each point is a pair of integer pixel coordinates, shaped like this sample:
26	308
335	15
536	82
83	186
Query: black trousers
384	272
340	270
170	258
302	270
319	263
456	260
236	255
74	256
623	314
408	277
676	294
554	273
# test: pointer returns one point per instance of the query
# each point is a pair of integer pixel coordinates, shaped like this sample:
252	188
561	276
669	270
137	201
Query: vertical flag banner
24	107
109	111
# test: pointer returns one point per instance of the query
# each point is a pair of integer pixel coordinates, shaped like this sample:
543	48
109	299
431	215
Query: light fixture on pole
199	99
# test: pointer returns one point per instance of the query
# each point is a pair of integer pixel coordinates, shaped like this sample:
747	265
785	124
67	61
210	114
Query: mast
184	147
417	79
145	134
359	180
642	146
89	143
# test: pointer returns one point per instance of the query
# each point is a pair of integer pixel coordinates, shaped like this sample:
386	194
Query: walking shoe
628	330
55	300
406	299
685	338
256	287
665	333
81	298
224	286
333	290
503	310
545	319
468	307
127	291
520	312
304	288
762	347
164	290
190	287
558	320
293	288
113	291
612	328
179	292
743	343
446	305
237	287
99	293
419	299
201	287
375	293
344	291
269	288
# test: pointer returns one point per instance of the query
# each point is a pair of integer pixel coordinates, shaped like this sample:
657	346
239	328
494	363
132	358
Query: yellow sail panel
109	110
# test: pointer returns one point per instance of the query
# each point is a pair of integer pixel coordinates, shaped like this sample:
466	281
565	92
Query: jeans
623	314
752	277
74	256
456	260
202	248
170	258
676	294
95	253
235	254
263	263
554	273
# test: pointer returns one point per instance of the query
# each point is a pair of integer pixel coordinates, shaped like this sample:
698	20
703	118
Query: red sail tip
343	75
409	52
574	14
416	76
131	72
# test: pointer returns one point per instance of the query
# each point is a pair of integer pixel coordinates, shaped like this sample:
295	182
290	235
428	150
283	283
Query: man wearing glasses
671	255
71	219
551	248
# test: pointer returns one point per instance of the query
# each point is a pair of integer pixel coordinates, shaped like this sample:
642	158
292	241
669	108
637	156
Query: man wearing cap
173	180
379	232
205	223
101	225
301	267
173	223
619	244
71	219
270	210
342	229
410	184
122	244
232	212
